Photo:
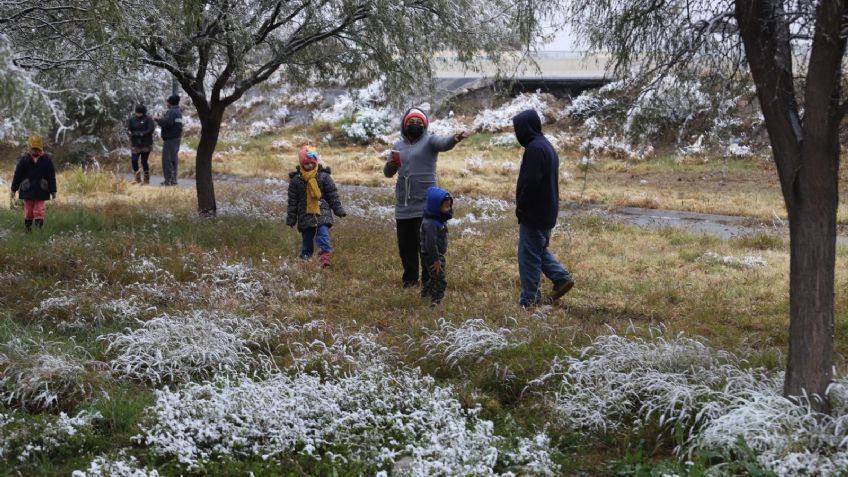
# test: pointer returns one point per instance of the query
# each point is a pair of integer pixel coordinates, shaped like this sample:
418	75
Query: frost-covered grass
177	348
40	375
471	340
159	280
704	400
373	414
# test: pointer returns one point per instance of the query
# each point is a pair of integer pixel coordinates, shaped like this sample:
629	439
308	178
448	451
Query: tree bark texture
806	154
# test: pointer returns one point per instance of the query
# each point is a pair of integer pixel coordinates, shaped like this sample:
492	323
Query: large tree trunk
806	153
812	226
210	128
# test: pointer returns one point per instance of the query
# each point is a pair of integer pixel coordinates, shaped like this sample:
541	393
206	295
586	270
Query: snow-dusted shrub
664	105
736	150
372	96
583	107
789	439
504	140
307	98
474	163
500	119
176	348
680	385
446	127
40	375
480	210
118	466
695	149
615	147
25	439
472	340
373	413
748	261
367	125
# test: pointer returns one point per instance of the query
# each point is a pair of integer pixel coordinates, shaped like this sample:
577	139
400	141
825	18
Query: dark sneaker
561	289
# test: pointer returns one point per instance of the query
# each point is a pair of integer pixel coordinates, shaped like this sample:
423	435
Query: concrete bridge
561	73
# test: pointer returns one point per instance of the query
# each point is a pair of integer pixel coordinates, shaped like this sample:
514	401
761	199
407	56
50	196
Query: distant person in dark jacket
313	199
140	128
537	208
413	159
35	181
171	125
434	242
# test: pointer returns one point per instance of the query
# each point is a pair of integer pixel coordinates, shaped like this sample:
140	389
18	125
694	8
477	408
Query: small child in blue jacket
434	242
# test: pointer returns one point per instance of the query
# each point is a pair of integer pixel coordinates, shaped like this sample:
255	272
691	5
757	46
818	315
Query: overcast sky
564	41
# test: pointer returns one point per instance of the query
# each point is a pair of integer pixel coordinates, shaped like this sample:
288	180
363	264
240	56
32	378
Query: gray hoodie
417	172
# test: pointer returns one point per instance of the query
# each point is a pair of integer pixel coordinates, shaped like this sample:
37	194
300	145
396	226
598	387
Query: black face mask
414	131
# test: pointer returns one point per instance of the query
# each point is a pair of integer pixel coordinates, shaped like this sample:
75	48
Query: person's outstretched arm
443	143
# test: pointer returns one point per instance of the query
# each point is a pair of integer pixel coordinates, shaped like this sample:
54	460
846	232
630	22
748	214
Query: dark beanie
173	100
141	109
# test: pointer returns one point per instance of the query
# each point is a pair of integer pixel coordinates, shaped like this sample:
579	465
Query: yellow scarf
313	192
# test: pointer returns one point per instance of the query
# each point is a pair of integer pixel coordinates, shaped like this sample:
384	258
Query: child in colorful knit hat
313	199
434	242
35	182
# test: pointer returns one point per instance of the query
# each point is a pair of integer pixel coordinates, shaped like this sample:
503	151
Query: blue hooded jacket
537	190
434	232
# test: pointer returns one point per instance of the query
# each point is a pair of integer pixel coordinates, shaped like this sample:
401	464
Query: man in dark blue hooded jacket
537	208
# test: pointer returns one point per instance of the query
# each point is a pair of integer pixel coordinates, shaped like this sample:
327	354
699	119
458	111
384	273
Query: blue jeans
313	235
535	259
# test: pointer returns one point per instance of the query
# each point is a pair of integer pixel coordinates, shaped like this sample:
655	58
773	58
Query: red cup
395	157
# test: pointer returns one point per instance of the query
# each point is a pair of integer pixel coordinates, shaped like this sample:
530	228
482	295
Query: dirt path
725	227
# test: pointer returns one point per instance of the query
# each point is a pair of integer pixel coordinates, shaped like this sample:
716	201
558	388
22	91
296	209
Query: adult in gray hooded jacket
414	160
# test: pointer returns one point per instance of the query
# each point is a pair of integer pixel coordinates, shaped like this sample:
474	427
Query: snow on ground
376	412
713	398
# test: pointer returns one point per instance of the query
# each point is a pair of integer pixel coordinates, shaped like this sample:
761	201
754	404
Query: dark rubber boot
28	226
39	223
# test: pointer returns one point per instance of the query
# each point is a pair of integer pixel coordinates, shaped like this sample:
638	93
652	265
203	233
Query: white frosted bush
372	413
504	140
367	125
615	147
739	150
27	439
176	348
119	466
40	375
500	119
583	106
446	127
471	340
623	383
